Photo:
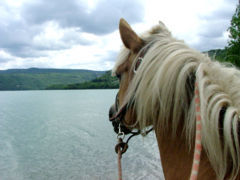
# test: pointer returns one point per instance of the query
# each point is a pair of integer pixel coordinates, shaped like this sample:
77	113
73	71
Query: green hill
106	81
218	54
38	79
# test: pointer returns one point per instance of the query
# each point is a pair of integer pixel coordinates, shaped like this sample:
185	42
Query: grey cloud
17	39
17	34
225	12
26	52
211	35
111	56
206	43
76	37
4	60
216	23
64	12
108	60
105	17
102	19
214	28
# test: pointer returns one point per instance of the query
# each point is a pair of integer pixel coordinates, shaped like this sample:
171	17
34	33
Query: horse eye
118	76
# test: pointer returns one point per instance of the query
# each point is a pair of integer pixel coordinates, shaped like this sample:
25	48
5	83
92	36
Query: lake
61	135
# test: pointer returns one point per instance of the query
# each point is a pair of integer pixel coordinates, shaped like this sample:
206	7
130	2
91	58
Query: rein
121	147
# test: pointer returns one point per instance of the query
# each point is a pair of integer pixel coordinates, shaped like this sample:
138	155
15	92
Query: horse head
125	71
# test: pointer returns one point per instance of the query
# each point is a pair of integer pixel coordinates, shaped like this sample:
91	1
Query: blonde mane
162	93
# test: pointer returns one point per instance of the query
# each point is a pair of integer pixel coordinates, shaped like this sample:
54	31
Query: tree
233	48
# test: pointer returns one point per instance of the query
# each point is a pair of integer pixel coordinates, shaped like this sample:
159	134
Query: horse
157	75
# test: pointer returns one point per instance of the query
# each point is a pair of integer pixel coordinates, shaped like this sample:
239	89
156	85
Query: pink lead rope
198	145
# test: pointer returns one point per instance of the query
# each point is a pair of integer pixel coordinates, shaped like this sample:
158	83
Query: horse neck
177	159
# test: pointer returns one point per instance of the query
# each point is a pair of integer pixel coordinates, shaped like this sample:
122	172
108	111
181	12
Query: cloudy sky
83	34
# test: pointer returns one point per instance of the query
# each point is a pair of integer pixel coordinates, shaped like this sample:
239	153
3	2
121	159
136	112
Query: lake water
61	135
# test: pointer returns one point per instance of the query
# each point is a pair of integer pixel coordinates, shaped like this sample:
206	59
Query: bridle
118	118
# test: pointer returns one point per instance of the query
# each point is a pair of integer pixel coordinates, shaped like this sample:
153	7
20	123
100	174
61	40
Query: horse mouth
111	115
112	112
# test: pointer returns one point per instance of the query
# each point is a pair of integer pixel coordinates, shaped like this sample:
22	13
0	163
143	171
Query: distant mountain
217	54
106	81
39	79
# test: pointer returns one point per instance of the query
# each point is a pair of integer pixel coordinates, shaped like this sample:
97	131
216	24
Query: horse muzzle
117	117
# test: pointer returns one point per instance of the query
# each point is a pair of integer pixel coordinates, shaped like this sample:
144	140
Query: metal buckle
120	133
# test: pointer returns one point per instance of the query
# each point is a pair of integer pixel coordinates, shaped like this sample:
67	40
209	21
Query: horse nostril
112	111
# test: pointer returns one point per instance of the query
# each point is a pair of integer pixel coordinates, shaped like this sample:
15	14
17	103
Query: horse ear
129	38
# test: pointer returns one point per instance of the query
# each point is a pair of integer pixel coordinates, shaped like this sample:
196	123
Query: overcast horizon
79	34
